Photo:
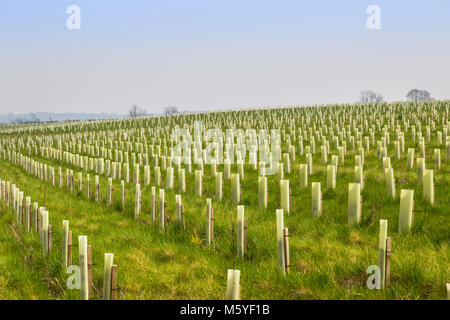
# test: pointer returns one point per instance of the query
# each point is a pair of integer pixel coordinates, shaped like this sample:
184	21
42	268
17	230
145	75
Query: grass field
328	257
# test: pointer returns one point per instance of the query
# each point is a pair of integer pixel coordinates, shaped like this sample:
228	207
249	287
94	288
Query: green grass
24	271
329	258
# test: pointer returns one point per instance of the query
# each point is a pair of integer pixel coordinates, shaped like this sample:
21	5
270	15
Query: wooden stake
140	200
286	249
234	254
360	203
124	199
156	211
245	233
69	249
23	212
38	220
212	223
31	217
290	199
182	217
113	282
165	214
49	237
89	257
10	194
388	261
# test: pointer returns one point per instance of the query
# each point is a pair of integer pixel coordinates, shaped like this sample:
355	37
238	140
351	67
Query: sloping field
334	237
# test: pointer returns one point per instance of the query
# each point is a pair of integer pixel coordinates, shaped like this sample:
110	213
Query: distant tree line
136	112
33	119
368	96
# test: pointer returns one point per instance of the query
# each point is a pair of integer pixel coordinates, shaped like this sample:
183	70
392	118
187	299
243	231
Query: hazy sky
211	54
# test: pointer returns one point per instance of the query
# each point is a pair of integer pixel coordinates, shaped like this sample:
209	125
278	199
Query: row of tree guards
354	196
354	192
35	218
102	166
354	200
424	176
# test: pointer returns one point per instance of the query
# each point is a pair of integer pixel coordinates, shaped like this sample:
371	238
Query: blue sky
208	54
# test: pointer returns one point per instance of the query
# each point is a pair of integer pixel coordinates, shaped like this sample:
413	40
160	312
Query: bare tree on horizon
169	110
135	112
418	95
369	96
